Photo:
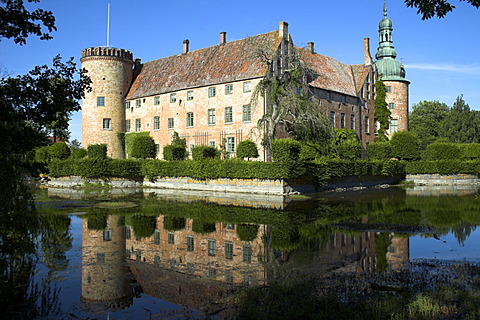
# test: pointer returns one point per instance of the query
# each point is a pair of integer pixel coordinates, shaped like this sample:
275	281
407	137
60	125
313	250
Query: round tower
103	109
392	73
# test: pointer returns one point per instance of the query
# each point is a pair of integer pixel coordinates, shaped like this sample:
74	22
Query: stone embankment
444	180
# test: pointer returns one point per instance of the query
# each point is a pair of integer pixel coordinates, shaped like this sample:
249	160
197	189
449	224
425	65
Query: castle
206	95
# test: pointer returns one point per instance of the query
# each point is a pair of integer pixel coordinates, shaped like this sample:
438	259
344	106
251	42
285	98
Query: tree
426	120
18	23
382	113
462	124
59	150
287	106
36	105
439	8
247	149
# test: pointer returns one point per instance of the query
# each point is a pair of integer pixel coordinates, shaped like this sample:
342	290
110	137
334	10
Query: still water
148	254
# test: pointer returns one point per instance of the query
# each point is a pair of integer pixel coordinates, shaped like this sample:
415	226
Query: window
211	92
138	103
211	248
128	232
212	144
229	250
247	253
228	88
157	149
376	126
367	129
247	86
230	226
156	100
138	125
170	123
352	122
228	115
127	104
171	238
190	243
100	101
344	99
391	106
173	97
211	116
156	123
393	126
342	120
247	113
127	125
388	89
189	119
156	237
107	124
191	147
329	96
231	144
190	95
107	235
332	118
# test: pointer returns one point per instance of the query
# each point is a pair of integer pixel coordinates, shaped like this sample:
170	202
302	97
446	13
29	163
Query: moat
135	254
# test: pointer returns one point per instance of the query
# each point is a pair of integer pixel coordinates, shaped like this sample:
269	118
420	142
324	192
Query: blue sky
441	56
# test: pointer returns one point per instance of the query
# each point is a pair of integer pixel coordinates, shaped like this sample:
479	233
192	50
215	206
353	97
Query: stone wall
444	180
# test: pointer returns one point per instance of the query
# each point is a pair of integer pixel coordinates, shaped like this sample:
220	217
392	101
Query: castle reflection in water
187	268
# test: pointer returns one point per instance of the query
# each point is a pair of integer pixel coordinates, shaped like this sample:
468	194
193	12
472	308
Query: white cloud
459	68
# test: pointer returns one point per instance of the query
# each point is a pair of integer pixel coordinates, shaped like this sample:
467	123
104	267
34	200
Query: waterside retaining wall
444	179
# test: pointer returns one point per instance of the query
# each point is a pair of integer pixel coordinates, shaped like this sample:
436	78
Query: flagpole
108	26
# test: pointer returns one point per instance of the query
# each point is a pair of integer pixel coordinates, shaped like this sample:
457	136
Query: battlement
107	52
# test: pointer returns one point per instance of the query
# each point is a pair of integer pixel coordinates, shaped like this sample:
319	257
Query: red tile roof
232	61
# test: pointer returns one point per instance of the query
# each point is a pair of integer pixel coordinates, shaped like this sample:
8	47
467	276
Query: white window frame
211	117
247	86
231	144
190	119
228	115
229	89
107	124
156	123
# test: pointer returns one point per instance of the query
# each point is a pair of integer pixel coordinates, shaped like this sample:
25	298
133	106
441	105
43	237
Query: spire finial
385	8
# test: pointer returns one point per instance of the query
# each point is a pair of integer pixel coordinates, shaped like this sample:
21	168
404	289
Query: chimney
366	52
311	47
223	37
283	28
185	46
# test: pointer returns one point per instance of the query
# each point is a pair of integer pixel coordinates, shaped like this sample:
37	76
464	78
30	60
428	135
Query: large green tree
431	8
462	124
426	120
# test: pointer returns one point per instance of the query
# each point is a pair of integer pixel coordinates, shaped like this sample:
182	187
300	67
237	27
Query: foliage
130	138
203	152
442	167
247	232
59	150
143	226
172	223
380	150
18	23
405	145
285	150
350	150
42	154
247	149
470	151
177	141
432	8
310	151
382	113
174	152
96	222
79	153
38	104
426	120
462	124
344	168
98	151
142	147
203	227
382	242
96	167
441	151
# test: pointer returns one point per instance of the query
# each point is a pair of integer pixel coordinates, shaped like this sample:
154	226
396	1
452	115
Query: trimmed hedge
204	152
97	151
59	150
470	151
344	168
285	150
405	145
247	149
174	152
95	167
381	150
441	151
443	167
142	146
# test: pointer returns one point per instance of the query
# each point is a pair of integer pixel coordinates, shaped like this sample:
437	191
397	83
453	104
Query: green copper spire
388	67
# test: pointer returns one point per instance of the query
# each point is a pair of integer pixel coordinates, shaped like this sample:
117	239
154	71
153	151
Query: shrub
350	150
97	151
42	155
204	152
381	150
405	145
449	166
143	226
59	150
79	153
173	152
97	222
470	151
441	151
247	232
202	227
172	223
142	146
247	149
285	150
310	151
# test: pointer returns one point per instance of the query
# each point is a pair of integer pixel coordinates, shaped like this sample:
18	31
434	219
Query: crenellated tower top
107	52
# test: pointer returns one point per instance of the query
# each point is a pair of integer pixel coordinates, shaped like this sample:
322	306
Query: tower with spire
392	73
